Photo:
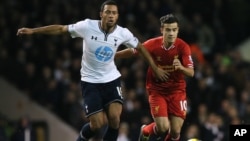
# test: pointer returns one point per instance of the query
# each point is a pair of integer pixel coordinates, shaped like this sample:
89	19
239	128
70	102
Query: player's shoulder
87	22
181	42
91	21
154	40
122	31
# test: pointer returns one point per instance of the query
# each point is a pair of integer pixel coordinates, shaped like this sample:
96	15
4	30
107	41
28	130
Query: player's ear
161	29
100	14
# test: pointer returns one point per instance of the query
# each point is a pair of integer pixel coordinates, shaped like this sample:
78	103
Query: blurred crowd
47	68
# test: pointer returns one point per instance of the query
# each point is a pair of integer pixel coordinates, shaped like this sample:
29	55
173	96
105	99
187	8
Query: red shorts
163	105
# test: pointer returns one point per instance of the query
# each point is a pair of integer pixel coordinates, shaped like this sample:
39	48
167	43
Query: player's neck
167	45
106	29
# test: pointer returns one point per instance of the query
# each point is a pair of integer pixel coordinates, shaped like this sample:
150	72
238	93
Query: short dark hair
108	2
169	18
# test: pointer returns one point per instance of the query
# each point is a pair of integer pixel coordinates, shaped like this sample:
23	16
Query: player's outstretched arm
51	29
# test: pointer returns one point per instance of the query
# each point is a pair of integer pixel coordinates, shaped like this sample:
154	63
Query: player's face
109	15
170	32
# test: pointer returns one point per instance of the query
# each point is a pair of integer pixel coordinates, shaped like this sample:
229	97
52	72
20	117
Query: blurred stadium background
39	75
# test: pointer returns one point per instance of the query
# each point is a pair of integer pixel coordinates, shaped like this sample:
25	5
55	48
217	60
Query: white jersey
99	49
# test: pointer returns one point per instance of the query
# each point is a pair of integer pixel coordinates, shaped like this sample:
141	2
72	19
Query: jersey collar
172	46
100	27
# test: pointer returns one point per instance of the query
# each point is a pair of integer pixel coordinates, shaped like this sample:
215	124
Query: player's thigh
162	124
114	110
113	114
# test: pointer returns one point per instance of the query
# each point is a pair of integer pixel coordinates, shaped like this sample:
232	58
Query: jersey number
119	90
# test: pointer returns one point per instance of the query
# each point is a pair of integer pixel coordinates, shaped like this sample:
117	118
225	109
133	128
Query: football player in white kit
100	78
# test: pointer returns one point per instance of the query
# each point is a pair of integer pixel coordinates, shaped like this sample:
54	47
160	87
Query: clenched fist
24	31
177	64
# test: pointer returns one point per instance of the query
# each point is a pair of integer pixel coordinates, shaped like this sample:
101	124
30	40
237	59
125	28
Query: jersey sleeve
187	60
131	41
146	44
77	29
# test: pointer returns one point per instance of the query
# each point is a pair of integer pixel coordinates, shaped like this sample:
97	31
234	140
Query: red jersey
164	59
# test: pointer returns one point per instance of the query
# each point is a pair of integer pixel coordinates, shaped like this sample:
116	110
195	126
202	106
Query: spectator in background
123	132
24	130
212	128
192	131
3	135
204	34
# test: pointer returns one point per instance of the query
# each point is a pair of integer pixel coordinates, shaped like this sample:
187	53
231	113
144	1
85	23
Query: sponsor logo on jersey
104	53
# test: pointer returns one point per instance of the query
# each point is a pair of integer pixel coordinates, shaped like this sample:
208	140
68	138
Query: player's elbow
192	73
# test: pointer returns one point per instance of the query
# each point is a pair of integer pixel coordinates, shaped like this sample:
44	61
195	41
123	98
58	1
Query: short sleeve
131	40
186	57
77	29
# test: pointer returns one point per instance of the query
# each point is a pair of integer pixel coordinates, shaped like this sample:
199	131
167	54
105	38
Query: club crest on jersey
104	53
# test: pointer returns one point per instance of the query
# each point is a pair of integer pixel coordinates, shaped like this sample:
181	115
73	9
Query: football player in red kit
168	102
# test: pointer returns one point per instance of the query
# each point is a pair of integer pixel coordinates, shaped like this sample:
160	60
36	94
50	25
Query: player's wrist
154	68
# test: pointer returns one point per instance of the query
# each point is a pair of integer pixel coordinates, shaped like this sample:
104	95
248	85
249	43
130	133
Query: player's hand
177	64
161	74
24	31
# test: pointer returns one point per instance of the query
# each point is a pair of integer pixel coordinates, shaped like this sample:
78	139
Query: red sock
167	138
149	129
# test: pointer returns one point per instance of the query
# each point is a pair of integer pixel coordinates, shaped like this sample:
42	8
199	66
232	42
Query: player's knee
163	128
114	121
97	125
175	132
